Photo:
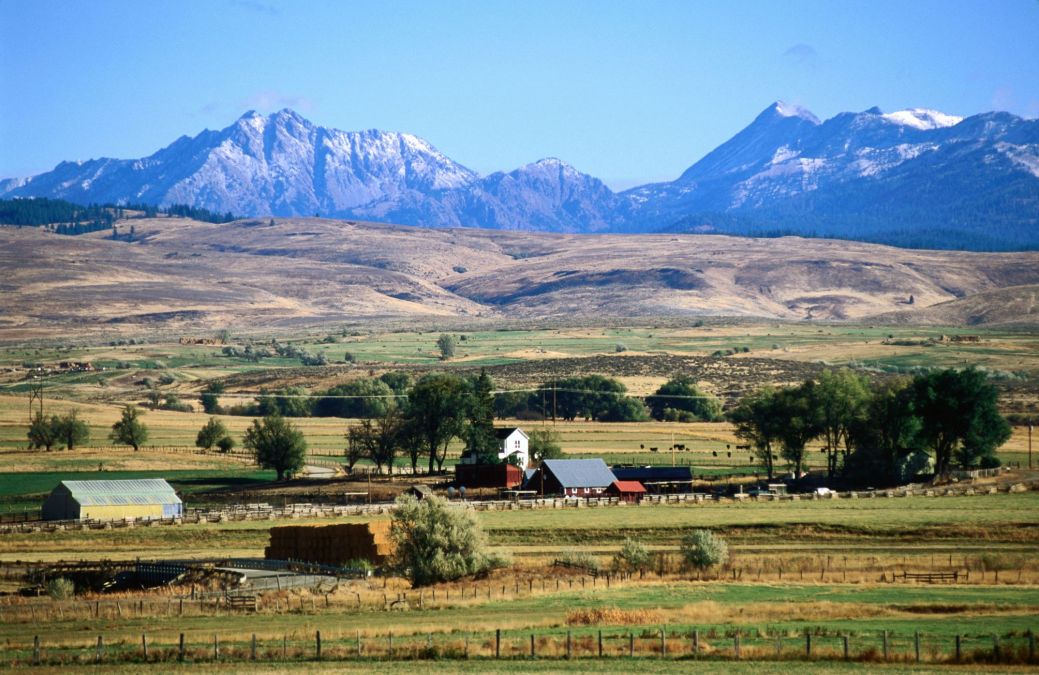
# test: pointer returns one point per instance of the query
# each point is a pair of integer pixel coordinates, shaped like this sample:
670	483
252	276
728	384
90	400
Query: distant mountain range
916	178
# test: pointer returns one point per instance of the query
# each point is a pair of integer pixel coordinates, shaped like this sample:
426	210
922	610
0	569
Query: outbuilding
630	491
658	479
572	477
112	500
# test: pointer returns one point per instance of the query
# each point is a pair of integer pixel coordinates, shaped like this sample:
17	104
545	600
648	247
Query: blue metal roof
580	473
112	492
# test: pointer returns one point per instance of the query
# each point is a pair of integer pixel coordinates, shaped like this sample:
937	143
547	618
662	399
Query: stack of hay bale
331	544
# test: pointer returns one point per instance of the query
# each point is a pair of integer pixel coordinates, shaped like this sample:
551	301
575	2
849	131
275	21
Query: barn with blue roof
112	500
572	477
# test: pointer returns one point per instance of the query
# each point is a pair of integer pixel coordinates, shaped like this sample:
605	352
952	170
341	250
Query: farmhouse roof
580	473
627	486
111	492
653	474
504	432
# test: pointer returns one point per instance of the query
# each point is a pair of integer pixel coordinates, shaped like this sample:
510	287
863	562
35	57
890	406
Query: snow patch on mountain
1024	156
922	118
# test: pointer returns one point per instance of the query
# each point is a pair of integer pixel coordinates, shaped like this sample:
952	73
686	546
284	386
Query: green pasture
832	343
880	526
26	490
828	612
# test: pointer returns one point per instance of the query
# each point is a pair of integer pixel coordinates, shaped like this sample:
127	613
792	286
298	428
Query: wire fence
642	642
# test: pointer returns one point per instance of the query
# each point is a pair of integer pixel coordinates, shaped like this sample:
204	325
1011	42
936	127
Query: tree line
877	433
69	218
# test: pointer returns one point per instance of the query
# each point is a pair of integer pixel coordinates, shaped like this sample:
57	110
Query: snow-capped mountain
914	177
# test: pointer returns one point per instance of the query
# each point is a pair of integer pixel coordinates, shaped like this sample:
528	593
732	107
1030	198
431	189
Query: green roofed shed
112	500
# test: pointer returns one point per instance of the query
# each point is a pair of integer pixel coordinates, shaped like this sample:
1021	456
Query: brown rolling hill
1014	306
178	273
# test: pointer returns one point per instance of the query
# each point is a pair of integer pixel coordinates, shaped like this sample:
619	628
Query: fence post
216	648
100	647
631	645
144	645
844	638
532	653
569	643
885	646
497	643
916	645
736	644
467	645
663	643
180	653
779	646
284	646
252	648
390	643
696	644
959	652
600	643
808	645
1031	646
995	646
318	639
36	650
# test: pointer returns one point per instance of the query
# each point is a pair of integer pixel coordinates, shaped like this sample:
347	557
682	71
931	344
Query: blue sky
630	92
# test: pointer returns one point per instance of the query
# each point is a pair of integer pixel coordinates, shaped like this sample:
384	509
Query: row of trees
591	397
604	399
877	433
66	431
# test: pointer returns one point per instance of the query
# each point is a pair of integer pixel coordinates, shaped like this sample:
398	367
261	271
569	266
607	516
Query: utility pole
1029	446
35	394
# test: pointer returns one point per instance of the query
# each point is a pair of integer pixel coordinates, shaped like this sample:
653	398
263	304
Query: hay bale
331	544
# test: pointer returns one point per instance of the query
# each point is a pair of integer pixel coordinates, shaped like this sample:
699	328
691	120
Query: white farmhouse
513	447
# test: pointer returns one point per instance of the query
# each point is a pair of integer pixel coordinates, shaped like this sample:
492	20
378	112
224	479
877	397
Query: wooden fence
242	512
587	644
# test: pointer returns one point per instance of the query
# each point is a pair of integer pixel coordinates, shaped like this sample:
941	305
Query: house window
517	444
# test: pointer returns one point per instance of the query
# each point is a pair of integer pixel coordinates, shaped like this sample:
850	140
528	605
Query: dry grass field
175	275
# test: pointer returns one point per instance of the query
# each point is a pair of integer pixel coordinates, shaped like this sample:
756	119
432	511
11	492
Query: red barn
630	491
488	475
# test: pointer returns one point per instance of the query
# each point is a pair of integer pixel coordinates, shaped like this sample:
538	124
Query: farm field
814	566
981	523
706	442
1011	352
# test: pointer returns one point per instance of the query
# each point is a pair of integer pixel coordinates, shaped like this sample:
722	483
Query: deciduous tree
277	444
129	430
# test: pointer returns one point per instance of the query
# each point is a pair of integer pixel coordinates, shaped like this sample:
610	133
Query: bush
620	347
437	541
633	556
580	559
701	550
226	444
61	588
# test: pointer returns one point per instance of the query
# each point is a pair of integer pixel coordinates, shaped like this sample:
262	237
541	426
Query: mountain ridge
910	177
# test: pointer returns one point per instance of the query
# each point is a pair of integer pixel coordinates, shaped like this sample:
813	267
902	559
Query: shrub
620	347
61	588
446	345
437	541
633	556
581	559
226	444
701	550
